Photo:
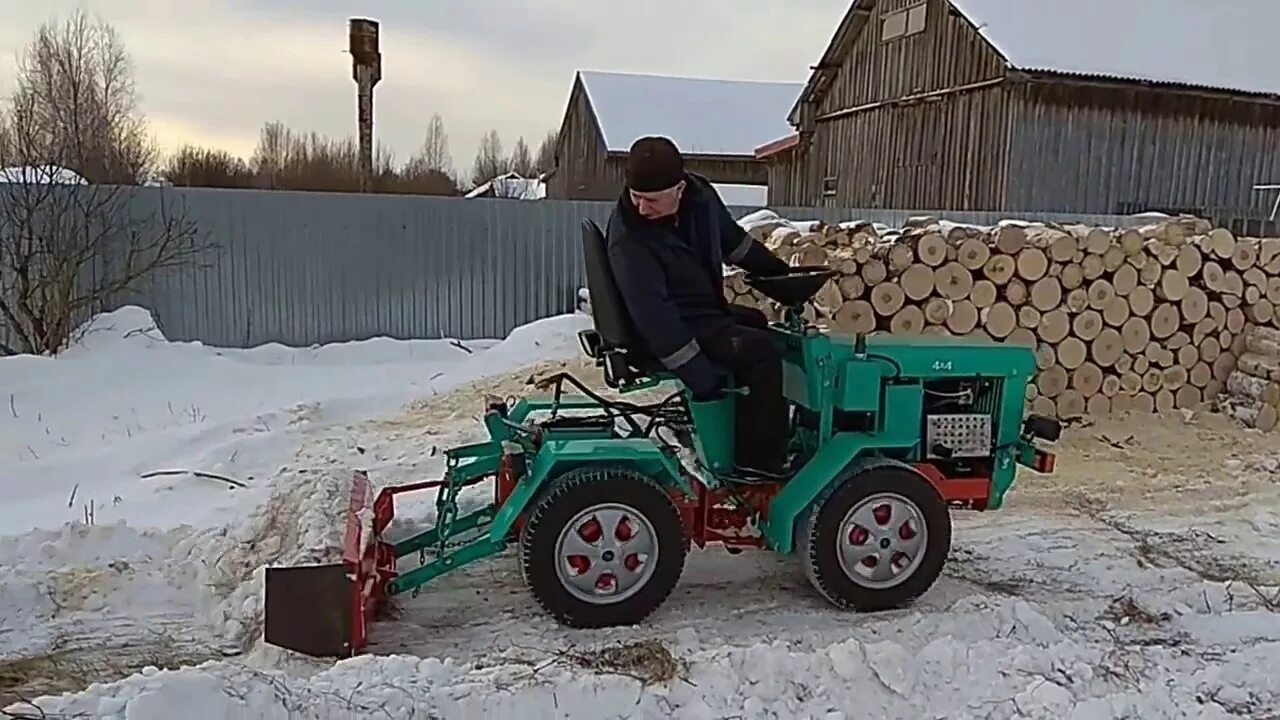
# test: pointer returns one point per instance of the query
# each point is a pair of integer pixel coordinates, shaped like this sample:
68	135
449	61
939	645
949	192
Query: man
668	237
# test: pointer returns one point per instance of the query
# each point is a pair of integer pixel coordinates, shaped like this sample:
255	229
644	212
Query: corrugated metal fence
305	268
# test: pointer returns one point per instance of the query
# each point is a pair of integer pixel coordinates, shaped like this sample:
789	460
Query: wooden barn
1088	106
717	124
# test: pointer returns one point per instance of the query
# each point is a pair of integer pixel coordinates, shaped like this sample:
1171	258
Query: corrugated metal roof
743	195
1221	44
713	117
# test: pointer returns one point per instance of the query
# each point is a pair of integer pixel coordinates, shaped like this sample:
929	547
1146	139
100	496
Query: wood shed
1088	106
717	124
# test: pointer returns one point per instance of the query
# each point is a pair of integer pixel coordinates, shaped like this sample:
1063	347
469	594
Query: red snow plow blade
324	610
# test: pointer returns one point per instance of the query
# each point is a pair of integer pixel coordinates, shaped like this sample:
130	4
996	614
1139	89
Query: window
915	19
893	25
903	23
829	185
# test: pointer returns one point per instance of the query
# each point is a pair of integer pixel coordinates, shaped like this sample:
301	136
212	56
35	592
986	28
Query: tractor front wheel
603	547
877	541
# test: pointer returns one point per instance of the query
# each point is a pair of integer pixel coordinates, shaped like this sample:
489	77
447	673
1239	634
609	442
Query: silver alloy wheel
606	553
882	541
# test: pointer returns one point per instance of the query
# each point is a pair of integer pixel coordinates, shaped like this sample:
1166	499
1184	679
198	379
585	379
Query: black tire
822	531
570	495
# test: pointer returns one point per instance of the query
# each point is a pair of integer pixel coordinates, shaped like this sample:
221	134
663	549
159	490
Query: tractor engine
958	418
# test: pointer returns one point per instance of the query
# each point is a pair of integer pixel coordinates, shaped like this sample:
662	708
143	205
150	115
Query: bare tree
69	250
430	171
546	161
490	162
288	160
272	153
194	166
75	88
521	162
434	153
6	139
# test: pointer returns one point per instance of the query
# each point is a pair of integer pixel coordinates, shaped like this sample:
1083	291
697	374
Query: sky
212	72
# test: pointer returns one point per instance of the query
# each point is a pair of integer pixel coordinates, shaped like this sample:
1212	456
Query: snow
766	221
1141	580
1227	44
97	560
124	402
730	117
41	175
1034	643
511	186
766	216
737	194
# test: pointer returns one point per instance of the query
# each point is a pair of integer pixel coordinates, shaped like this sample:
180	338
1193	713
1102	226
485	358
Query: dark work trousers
754	357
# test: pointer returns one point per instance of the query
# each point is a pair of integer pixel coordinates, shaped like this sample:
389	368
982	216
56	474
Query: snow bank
124	402
94	552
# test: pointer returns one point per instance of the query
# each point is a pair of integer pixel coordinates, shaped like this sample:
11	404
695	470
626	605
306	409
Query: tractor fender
859	465
844	456
557	457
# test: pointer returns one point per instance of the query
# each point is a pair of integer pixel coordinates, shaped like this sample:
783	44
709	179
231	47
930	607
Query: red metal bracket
972	491
370	562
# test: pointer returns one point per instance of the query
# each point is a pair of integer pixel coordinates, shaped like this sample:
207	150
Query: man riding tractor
668	237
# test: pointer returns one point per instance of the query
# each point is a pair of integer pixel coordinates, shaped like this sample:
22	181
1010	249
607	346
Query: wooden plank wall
1109	148
945	151
948	154
580	156
793	179
947	54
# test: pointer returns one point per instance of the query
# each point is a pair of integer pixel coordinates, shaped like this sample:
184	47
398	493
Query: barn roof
1213	44
1217	44
702	116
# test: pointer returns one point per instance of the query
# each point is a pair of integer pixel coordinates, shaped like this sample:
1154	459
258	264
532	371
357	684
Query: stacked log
1252	389
1144	319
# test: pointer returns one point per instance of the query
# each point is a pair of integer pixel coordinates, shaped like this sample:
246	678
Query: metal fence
303	268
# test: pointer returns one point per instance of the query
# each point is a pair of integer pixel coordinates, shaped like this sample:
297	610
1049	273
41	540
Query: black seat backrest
608	311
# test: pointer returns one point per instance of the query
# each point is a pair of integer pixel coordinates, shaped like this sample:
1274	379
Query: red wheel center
590	531
882	514
624	531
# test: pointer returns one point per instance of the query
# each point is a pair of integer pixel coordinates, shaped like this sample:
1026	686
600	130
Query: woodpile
1144	319
1252	390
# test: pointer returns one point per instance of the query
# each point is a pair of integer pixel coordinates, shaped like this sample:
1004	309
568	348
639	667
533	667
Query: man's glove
706	383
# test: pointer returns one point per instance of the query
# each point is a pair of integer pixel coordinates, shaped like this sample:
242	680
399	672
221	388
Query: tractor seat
613	342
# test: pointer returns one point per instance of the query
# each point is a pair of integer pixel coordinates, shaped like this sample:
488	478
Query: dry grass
648	661
1125	610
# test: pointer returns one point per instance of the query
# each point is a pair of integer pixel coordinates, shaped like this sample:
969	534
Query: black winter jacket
670	273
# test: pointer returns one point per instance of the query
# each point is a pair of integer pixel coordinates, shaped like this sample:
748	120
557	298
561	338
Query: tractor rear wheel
603	547
877	541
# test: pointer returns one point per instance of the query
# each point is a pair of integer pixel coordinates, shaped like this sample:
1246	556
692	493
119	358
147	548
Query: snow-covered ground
1139	581
107	566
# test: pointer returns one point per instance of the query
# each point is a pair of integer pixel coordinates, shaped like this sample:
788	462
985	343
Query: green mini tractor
604	497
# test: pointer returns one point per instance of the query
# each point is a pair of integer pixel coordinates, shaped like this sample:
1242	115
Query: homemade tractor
604	497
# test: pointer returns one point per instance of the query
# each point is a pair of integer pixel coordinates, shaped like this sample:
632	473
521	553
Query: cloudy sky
213	71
